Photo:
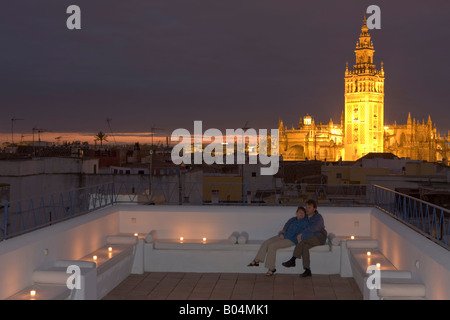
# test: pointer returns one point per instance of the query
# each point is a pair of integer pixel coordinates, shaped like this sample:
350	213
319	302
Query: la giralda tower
364	101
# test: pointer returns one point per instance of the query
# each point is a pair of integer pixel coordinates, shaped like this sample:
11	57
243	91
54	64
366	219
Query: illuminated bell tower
364	102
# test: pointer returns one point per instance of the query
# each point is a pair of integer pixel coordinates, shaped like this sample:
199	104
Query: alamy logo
374	279
73	281
259	145
374	21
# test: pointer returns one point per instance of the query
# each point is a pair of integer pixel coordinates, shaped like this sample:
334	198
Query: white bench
115	265
51	283
173	255
394	283
97	276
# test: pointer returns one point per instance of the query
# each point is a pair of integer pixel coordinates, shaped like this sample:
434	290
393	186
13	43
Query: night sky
169	62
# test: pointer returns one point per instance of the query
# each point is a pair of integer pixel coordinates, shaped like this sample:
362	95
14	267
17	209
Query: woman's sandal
271	272
254	263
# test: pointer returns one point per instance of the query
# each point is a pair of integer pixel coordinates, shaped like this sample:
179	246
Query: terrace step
394	283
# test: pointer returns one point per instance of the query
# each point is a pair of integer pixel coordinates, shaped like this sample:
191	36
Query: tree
101	137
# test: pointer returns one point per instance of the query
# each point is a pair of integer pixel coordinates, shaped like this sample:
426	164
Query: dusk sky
170	62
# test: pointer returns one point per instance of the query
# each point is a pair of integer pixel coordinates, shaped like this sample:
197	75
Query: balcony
412	235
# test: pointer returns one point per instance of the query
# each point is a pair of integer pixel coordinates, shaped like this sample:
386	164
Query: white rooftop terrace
73	239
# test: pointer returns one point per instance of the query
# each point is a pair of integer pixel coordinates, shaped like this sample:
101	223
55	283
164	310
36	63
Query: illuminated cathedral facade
361	129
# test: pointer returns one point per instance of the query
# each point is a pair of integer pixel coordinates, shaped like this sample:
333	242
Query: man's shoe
289	264
305	274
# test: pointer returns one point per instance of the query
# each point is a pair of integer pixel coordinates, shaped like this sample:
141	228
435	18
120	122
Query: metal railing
428	219
23	216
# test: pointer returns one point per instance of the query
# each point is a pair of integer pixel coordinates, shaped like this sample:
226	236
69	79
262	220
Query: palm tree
101	137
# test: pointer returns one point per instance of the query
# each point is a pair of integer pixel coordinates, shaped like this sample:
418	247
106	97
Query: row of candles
95	258
368	253
182	239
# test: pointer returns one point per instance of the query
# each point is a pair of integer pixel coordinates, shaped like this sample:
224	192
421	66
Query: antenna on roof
110	130
152	132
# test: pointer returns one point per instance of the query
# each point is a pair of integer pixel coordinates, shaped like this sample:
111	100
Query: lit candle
110	249
378	265
369	253
33	293
352	237
204	239
95	258
136	234
181	239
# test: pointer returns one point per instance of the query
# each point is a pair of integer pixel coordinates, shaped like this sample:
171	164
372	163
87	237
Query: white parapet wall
219	222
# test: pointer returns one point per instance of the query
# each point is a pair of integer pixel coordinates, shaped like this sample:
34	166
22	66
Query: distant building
47	175
415	140
429	181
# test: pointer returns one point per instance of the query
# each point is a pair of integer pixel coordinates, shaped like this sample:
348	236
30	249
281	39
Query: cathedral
361	129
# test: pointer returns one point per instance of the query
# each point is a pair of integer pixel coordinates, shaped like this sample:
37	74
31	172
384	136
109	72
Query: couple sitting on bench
305	230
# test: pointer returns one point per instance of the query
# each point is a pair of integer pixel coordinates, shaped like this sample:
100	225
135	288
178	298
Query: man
312	236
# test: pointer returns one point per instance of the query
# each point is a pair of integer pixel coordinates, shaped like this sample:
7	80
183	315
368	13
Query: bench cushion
335	241
121	240
243	238
81	264
401	289
362	244
50	277
151	236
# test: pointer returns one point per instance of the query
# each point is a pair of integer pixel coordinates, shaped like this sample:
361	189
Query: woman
285	238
